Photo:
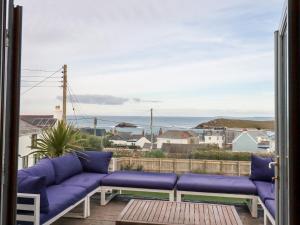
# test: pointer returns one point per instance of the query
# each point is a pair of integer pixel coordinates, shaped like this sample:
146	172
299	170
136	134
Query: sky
179	57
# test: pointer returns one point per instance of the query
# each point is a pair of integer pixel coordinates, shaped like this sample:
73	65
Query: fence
179	166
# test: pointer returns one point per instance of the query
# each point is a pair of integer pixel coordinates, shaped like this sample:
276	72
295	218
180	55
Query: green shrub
132	167
155	154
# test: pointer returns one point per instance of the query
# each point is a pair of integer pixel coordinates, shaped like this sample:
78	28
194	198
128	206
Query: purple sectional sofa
53	187
256	188
138	181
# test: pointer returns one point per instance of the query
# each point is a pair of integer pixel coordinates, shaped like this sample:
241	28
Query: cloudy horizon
182	58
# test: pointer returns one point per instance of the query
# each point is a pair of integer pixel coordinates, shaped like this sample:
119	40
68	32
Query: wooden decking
182	213
107	215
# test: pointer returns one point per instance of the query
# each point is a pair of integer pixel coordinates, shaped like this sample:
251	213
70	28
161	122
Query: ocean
143	122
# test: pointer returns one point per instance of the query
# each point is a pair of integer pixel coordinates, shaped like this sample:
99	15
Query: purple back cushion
66	166
95	161
260	169
33	185
43	168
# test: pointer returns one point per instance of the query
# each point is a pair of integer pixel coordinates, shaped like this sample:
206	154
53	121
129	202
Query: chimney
57	113
160	132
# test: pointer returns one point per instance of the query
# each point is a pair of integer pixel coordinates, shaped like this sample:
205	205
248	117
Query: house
251	141
177	137
31	126
147	147
27	134
41	121
128	139
120	138
213	137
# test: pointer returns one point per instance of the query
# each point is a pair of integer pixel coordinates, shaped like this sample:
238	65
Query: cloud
104	100
138	100
97	99
178	52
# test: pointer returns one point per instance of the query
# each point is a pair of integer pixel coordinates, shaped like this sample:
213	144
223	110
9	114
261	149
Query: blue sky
180	57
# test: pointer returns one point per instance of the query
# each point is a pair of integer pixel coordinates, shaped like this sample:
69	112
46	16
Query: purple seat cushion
95	161
66	166
165	181
265	190
216	183
88	181
271	206
33	185
43	168
60	198
260	169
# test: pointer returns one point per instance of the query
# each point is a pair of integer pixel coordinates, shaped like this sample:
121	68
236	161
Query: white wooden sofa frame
34	209
268	218
110	189
252	200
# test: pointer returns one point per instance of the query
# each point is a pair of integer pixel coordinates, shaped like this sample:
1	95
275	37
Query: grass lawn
185	198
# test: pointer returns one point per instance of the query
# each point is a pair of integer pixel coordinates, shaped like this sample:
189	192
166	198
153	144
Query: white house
120	138
127	139
177	137
142	141
213	137
250	141
27	134
30	127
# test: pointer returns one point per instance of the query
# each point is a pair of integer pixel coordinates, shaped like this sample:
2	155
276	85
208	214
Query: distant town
258	137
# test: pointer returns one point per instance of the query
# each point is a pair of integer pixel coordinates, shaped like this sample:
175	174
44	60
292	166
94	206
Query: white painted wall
216	140
142	141
119	142
24	149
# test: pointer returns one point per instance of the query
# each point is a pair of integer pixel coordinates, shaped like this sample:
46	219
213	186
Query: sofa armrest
29	212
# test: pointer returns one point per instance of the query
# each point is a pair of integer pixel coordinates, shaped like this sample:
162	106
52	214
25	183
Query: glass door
10	62
287	71
281	81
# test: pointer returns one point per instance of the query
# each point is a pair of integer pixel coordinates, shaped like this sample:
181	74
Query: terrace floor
107	215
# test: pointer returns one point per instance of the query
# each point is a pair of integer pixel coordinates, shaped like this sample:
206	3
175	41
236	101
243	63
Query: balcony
107	215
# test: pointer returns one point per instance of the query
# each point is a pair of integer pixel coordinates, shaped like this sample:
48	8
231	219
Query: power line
43	80
51	81
33	76
38	70
40	86
72	103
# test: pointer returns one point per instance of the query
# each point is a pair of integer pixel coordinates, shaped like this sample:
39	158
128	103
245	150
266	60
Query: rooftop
41	121
178	134
107	215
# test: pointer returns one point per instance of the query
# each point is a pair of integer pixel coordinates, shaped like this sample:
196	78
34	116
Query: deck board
107	215
177	213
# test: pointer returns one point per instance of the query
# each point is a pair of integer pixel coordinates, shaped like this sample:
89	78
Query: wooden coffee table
164	212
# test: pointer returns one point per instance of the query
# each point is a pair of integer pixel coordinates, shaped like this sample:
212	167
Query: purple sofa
259	184
216	184
61	183
138	181
134	179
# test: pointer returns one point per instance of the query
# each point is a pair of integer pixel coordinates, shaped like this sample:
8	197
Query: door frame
288	114
10	66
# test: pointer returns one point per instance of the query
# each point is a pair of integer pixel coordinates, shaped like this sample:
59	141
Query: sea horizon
143	122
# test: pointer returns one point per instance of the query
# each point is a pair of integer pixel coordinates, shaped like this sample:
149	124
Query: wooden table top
164	212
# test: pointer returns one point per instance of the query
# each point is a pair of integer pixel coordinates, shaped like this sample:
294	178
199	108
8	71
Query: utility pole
151	128
65	83
95	126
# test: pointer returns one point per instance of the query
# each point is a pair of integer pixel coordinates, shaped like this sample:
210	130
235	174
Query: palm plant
58	140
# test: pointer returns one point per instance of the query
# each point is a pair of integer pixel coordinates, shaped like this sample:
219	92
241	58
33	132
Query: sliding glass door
281	70
287	74
10	64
